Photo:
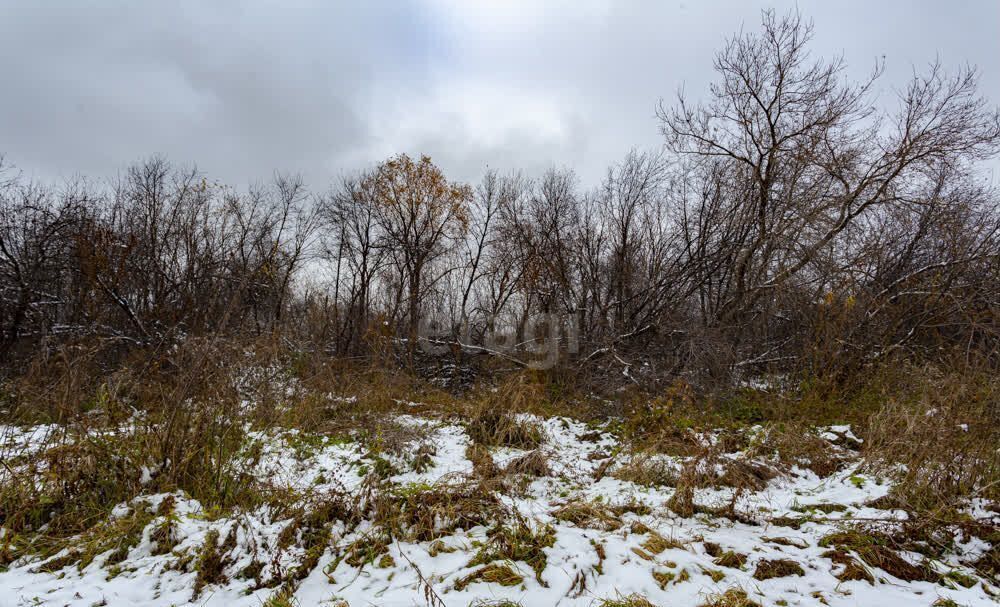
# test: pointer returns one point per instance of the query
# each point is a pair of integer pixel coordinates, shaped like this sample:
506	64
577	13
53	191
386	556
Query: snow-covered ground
585	563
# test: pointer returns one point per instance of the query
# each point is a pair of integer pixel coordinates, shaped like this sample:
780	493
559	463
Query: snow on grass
641	548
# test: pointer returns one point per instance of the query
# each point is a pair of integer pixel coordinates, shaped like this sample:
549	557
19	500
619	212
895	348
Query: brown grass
491	574
850	568
734	597
483	465
773	568
944	428
519	542
646	469
656	543
873	549
491	426
631	600
211	563
588	514
731	559
799	445
186	413
428	512
534	463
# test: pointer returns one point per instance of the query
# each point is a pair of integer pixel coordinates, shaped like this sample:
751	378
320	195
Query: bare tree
420	214
796	156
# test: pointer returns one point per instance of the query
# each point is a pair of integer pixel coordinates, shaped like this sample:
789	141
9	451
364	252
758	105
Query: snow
147	579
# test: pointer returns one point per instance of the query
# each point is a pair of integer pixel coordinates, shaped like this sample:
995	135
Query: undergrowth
184	424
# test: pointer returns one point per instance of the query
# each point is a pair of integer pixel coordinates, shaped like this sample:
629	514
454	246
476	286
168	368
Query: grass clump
164	533
716	575
70	485
731	559
589	514
311	521
520	542
824	508
632	600
423	458
365	550
647	470
534	463
656	543
681	502
483	465
775	568
872	549
119	534
428	512
664	578
734	597
632	506
786	541
501	427
792	522
494	422
115	536
491	574
960	578
944	428
440	547
797	444
851	570
284	597
59	563
211	563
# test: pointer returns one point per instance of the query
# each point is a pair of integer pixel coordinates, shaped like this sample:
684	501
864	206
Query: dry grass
710	468
519	542
731	559
792	522
494	425
774	568
632	505
483	465
799	445
681	502
945	429
364	550
632	600
850	568
428	512
180	420
211	564
734	597
873	549
786	541
493	417
656	543
170	423
588	514
534	463
493	573
667	423
74	483
647	469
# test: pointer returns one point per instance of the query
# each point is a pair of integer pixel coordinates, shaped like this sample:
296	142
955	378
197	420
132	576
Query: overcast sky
320	87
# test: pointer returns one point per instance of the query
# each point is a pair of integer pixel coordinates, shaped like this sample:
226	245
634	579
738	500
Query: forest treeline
795	221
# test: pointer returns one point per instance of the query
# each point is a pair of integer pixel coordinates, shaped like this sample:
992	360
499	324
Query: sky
324	88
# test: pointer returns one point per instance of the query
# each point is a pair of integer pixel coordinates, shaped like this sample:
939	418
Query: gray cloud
245	88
